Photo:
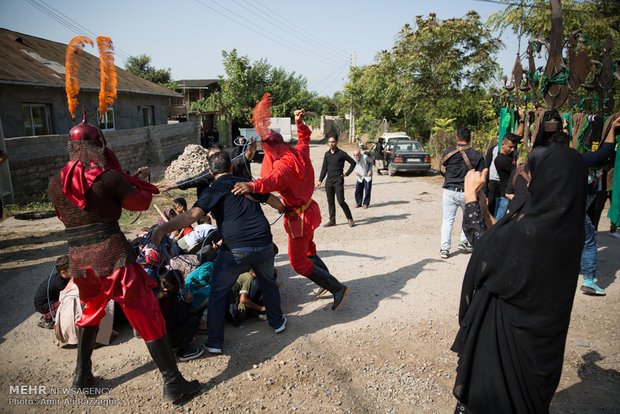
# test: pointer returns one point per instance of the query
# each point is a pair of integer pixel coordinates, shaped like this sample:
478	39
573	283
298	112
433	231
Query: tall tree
245	83
431	60
141	66
532	18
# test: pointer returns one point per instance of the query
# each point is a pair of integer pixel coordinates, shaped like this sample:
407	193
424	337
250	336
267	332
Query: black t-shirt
241	221
456	169
333	165
202	181
56	285
504	165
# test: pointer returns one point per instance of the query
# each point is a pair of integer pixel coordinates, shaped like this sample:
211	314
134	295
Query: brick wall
33	160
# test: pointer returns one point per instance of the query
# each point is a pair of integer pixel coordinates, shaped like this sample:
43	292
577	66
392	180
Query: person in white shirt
204	230
363	172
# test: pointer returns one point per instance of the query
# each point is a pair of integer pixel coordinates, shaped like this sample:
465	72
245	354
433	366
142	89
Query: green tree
141	66
532	19
431	63
245	83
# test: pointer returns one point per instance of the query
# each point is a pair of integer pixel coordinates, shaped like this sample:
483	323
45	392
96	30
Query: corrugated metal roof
35	61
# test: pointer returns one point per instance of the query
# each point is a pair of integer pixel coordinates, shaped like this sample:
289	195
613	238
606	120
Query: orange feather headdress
72	66
107	93
261	116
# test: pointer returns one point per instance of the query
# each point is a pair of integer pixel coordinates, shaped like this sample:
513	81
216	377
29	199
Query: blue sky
314	39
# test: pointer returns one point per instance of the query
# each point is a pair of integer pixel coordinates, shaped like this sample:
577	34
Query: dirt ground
386	350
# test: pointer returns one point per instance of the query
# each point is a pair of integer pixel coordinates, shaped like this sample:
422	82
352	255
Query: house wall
127	108
35	159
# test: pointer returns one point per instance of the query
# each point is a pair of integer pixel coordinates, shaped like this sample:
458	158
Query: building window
106	122
37	119
148	115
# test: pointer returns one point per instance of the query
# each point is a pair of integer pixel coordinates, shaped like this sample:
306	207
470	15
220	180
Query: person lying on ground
204	234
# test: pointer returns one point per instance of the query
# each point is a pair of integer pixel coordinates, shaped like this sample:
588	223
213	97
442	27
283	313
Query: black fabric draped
518	293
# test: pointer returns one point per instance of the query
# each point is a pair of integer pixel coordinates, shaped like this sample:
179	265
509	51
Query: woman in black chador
518	291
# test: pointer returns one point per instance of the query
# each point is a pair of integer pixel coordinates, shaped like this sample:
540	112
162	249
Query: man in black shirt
247	244
333	165
240	166
505	164
457	161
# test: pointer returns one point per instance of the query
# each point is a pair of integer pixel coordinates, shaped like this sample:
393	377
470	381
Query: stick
160	213
170	199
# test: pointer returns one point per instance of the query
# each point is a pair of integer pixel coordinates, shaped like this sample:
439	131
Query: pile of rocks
192	162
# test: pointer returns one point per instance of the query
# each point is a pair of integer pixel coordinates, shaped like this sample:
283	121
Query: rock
582	342
192	162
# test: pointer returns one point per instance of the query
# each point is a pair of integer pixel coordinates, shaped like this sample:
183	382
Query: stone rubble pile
192	162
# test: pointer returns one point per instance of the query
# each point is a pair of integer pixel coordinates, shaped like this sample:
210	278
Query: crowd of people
177	280
515	311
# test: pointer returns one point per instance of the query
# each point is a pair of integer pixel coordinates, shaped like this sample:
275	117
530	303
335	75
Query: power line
332	74
285	20
69	23
331	83
323	46
250	26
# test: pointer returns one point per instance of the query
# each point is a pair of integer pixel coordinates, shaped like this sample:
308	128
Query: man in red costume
289	171
89	195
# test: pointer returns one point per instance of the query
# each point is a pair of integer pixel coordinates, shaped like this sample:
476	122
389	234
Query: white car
391	136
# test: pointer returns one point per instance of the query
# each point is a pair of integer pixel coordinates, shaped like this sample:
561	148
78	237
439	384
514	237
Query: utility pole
352	116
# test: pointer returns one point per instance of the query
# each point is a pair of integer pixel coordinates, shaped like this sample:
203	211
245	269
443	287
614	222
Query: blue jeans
501	206
228	265
590	247
451	200
360	189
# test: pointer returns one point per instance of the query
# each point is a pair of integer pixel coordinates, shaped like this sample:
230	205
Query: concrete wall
35	159
127	108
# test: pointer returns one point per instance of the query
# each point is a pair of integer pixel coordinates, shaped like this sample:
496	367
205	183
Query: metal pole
352	116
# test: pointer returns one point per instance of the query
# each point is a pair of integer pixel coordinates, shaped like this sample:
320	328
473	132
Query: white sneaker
281	328
212	350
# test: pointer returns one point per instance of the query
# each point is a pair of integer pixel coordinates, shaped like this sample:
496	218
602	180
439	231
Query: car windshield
408	146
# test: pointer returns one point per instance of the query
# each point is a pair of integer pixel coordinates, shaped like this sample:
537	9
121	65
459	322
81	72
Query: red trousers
299	249
132	288
300	230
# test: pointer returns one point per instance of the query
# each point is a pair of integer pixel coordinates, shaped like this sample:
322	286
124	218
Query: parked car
393	136
406	155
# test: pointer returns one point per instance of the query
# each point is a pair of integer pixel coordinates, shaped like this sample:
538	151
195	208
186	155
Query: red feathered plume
261	116
72	66
107	93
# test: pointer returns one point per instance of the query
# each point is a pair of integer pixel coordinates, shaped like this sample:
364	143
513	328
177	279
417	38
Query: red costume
289	171
89	195
89	201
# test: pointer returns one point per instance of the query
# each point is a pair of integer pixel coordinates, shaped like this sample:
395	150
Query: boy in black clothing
46	298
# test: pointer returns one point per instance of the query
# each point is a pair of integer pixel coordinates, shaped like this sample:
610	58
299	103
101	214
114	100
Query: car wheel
391	171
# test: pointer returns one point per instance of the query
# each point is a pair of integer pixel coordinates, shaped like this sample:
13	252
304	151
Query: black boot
175	386
328	282
83	369
318	262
